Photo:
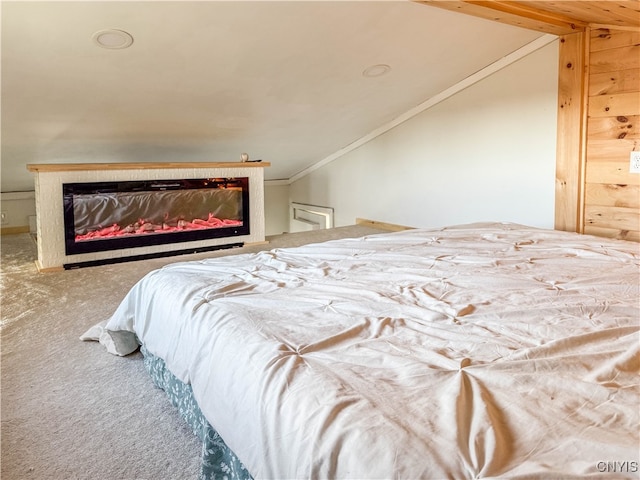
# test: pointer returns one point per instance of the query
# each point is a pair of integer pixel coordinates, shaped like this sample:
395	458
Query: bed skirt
218	461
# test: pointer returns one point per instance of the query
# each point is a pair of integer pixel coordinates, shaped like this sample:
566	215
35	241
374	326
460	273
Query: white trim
277	183
440	97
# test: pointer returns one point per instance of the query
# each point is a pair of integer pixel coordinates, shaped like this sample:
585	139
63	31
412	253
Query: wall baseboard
14	230
48	269
392	227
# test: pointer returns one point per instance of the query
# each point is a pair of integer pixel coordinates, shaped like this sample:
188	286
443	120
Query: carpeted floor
70	410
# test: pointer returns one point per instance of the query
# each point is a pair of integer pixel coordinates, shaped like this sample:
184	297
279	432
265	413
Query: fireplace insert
105	216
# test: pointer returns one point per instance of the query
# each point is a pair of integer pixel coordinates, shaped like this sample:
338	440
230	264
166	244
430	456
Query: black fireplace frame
73	247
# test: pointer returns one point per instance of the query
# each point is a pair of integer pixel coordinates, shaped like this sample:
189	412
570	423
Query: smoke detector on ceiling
113	39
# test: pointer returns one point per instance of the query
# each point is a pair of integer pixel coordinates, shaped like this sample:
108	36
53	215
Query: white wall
276	209
17	207
487	153
484	154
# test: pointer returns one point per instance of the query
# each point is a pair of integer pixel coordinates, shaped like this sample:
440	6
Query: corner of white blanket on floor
93	334
117	343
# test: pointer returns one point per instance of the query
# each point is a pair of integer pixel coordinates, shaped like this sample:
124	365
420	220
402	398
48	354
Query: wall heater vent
304	217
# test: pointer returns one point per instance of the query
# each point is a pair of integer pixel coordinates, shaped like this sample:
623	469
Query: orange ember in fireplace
143	226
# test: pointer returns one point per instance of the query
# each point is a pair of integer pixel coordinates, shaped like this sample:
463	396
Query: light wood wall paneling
604	39
614	172
614	128
615	218
572	84
612	195
613	75
619	104
612	233
617	150
615	59
614	82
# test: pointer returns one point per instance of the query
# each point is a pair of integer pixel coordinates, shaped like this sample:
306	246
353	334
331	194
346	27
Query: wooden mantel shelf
74	167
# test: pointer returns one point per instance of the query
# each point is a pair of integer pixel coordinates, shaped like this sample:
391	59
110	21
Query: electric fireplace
103	216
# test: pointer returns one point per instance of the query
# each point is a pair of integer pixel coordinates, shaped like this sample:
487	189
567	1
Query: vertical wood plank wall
598	127
612	194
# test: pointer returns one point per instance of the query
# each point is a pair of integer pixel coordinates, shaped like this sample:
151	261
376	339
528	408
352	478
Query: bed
490	350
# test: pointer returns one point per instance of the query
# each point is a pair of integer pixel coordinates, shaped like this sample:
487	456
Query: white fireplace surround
50	211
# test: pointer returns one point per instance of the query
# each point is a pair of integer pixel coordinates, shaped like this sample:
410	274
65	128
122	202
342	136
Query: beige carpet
69	410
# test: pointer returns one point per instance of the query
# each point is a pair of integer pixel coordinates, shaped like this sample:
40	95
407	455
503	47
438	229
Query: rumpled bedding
477	351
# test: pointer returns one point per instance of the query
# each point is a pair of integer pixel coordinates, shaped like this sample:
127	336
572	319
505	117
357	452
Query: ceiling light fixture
376	70
112	39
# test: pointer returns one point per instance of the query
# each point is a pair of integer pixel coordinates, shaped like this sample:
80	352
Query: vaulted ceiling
289	82
206	81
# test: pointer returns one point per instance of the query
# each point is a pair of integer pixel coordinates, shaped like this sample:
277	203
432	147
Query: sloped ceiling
208	80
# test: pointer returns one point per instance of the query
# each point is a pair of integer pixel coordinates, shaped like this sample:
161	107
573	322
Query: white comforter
488	350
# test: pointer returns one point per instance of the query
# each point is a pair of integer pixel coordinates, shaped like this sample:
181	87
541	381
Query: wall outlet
5	219
634	162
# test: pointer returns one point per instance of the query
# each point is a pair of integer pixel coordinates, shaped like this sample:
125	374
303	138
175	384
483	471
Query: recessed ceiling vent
376	70
113	39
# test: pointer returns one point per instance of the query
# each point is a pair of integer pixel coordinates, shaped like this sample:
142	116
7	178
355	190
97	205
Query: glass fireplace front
115	215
